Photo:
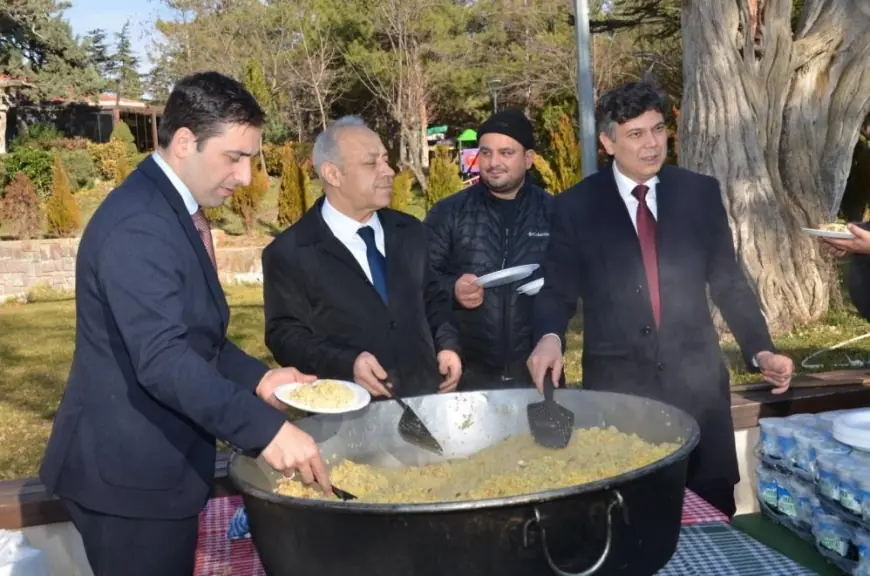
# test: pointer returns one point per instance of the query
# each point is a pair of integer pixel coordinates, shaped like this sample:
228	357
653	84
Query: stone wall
38	263
27	264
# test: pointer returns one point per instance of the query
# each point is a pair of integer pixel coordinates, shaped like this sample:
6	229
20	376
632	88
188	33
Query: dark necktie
200	222
646	235
377	262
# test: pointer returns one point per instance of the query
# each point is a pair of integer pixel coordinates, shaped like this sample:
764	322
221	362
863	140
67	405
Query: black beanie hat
512	123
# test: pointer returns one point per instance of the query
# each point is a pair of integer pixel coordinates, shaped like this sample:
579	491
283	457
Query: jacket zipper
505	304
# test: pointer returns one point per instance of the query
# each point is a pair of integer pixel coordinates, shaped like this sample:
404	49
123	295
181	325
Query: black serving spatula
337	492
412	429
342	495
550	423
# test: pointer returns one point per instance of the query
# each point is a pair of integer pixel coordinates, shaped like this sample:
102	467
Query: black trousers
719	493
135	546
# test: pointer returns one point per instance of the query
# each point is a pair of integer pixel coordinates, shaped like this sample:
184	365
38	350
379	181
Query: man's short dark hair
626	103
203	103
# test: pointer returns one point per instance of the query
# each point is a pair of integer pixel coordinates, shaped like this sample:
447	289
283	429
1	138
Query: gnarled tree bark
774	114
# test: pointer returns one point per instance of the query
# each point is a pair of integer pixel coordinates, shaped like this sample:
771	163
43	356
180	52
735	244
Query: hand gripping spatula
550	423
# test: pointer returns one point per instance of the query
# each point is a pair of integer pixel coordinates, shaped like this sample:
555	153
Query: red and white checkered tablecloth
216	555
696	510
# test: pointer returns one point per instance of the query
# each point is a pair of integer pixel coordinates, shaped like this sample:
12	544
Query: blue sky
110	15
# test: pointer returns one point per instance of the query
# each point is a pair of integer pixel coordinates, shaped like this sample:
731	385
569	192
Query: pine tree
548	178
97	53
305	178
246	199
255	82
63	216
444	178
121	169
402	194
566	153
20	207
291	196
126	65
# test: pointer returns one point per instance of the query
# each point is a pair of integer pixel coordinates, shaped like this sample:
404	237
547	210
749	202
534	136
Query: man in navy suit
640	243
154	379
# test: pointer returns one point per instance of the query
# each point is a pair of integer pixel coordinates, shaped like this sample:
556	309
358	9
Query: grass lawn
36	346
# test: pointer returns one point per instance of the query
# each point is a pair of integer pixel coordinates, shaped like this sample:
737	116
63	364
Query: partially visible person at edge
858	278
348	292
640	243
500	222
154	379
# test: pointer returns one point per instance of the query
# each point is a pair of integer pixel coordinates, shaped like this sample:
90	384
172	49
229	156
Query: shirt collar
189	201
626	184
344	227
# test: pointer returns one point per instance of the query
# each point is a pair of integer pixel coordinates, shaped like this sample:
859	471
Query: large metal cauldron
623	525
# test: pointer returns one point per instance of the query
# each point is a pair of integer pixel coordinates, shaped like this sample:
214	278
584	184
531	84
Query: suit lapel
617	224
392	244
150	168
667	237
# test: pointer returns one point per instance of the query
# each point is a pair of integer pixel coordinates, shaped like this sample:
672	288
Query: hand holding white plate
834	234
506	276
324	396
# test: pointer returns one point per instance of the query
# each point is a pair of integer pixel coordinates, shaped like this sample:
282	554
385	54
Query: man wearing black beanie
501	222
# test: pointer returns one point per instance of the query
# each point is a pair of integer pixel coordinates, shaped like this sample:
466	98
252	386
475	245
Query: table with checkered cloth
696	510
216	555
720	550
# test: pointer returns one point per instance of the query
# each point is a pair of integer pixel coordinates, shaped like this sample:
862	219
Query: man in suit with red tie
639	243
154	379
348	290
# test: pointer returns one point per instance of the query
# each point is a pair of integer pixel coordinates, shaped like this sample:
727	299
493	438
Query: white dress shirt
625	185
345	229
183	190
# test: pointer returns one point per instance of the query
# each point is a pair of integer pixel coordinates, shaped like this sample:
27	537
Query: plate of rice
836	230
324	396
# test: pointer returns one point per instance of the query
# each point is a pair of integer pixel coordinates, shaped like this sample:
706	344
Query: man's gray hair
326	144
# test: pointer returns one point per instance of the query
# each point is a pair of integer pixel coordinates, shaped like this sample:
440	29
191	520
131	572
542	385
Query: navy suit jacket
154	378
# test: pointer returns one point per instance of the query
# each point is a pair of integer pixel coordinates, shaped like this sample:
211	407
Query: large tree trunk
774	117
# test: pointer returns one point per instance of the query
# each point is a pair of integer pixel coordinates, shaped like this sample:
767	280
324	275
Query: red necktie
200	222
646	234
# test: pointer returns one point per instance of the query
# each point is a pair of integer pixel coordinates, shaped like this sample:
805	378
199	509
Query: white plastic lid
853	429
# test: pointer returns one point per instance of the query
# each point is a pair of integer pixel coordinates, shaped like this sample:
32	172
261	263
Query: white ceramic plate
531	288
853	429
506	276
361	398
829	234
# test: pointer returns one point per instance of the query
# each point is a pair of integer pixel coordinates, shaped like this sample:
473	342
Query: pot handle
616	502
